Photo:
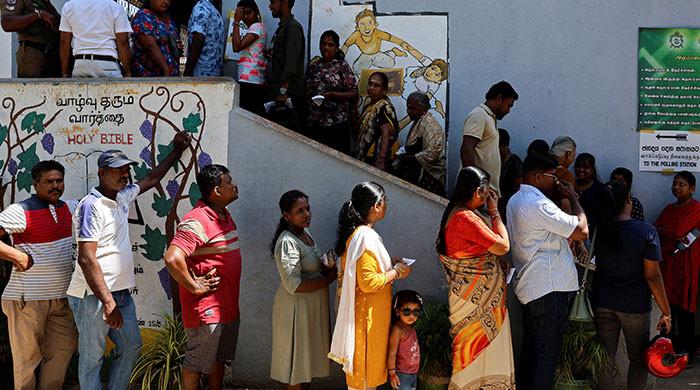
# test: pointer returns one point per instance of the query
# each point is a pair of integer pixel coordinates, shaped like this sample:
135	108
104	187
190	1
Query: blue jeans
93	332
407	381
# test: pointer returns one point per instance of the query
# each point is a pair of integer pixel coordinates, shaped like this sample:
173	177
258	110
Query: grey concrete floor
689	379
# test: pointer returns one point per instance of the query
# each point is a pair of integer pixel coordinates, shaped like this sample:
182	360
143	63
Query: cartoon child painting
368	38
427	79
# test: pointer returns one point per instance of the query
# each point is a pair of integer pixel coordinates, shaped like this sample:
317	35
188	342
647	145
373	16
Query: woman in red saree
680	270
469	246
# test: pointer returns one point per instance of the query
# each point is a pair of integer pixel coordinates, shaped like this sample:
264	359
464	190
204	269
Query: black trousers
545	322
252	97
684	331
337	137
292	119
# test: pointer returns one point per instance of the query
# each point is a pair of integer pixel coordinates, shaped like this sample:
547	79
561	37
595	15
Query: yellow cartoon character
368	38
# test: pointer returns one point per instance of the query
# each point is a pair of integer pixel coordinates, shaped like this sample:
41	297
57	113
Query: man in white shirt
98	31
480	133
546	273
99	289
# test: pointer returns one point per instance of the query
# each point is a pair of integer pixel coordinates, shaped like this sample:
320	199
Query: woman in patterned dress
251	62
156	51
378	125
330	77
469	246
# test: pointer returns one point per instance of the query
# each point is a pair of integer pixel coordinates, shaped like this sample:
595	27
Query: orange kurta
372	323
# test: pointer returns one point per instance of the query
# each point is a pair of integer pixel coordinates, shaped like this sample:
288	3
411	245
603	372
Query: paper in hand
511	273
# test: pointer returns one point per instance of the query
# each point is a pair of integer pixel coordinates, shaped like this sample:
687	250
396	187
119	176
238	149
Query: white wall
267	161
573	63
7	57
80	118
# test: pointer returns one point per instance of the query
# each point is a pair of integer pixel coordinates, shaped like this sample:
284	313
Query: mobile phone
408	262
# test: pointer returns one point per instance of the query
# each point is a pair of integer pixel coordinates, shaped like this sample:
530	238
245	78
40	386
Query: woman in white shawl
361	334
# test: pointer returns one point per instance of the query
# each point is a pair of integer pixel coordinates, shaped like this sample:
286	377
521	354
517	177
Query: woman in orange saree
482	353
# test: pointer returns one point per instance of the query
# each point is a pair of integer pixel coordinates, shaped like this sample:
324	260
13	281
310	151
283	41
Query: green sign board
669	79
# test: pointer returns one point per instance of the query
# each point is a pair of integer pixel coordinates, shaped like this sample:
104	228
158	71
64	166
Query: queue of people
535	209
471	240
95	38
373	338
52	309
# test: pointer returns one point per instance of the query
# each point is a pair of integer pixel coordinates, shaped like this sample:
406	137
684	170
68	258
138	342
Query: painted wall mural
411	48
74	122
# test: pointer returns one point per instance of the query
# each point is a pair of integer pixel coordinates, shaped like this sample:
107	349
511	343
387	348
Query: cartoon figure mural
368	38
428	79
411	49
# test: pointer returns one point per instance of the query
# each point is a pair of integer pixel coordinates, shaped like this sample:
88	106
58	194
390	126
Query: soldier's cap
114	159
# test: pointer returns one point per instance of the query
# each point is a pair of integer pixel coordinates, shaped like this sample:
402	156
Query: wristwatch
283	91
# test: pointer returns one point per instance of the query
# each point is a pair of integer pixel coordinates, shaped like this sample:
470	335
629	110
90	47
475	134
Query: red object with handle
661	360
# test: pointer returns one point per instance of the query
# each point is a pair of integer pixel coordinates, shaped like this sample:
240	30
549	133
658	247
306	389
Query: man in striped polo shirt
41	327
99	289
205	260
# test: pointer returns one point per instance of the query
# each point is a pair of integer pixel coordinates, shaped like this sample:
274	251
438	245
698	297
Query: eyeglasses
407	312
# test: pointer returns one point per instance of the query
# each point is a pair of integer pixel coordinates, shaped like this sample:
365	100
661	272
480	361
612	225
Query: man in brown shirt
36	24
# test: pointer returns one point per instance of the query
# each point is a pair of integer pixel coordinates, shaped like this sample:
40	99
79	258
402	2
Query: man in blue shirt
206	40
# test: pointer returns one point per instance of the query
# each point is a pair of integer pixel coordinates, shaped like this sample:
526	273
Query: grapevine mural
74	122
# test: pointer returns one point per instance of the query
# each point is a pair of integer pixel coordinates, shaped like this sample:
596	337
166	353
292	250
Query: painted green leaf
3	133
2	163
164	151
140	171
194	193
24	181
33	122
191	123
155	244
28	159
162	205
